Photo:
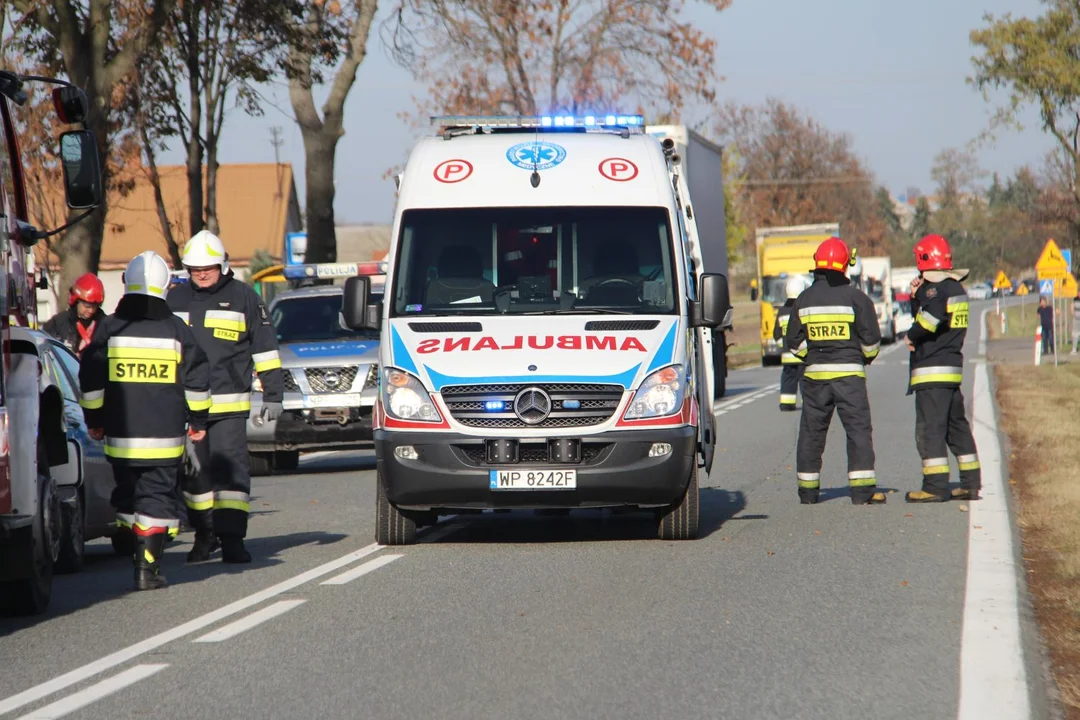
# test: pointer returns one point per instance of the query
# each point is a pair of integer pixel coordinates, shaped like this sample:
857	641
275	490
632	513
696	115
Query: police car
330	372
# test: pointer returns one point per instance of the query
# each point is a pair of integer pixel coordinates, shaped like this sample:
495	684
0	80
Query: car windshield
535	260
314	317
774	287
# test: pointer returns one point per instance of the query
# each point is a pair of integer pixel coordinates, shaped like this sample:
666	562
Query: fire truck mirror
82	169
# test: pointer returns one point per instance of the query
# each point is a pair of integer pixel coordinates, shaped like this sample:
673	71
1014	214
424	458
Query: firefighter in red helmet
834	330
75	326
936	341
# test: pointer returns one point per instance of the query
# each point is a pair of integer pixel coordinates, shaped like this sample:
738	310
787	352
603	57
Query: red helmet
87	288
833	255
933	253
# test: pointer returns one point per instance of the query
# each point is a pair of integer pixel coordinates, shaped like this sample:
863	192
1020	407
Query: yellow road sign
1002	281
1022	290
1051	264
1067	287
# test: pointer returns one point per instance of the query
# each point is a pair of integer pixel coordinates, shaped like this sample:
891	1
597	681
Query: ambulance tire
680	521
73	539
286	460
31	595
260	463
392	527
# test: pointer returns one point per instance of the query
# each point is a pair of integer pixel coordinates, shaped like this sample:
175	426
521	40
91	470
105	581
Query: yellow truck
781	253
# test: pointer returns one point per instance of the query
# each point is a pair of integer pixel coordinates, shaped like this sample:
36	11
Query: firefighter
834	330
936	341
793	366
75	326
230	323
144	379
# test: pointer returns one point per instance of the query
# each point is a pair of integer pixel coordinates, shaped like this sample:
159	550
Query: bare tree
332	34
96	44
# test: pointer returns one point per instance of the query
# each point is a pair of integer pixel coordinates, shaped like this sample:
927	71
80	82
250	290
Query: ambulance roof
576	169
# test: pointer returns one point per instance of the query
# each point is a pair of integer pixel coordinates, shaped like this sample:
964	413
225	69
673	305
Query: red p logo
618	169
453	171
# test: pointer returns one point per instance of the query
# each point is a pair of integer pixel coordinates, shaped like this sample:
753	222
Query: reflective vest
938	331
833	328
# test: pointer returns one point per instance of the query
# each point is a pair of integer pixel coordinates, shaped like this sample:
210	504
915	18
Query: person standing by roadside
1076	323
1046	320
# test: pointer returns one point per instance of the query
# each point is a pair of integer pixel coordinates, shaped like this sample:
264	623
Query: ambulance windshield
535	260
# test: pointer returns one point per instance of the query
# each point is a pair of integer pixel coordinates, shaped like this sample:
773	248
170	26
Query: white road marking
253	620
360	571
982	331
993	681
133	651
95	692
744	399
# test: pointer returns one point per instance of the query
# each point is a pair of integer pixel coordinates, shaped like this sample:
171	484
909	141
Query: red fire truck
32	425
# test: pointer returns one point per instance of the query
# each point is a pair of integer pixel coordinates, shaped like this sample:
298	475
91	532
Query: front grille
532	454
317	378
466	404
621	325
372	376
445	327
290	382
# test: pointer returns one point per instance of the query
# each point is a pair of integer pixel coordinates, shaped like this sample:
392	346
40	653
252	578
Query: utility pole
277	142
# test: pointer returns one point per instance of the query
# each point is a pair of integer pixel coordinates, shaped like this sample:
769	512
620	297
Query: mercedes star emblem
532	406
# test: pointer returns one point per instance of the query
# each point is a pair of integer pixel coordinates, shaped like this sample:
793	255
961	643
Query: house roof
253	202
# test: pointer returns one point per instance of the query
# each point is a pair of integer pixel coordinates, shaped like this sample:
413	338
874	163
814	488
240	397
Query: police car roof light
540	122
323	271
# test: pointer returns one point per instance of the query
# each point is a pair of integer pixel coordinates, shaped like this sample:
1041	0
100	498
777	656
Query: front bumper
310	429
616	470
772	349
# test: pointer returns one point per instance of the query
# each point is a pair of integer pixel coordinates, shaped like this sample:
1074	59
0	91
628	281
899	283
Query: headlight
660	394
404	398
256	384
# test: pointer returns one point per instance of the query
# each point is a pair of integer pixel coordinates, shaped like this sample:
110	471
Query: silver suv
331	380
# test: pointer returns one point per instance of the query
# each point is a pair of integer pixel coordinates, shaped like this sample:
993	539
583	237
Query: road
779	611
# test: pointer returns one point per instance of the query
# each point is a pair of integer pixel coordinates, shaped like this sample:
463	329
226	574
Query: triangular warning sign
1022	290
1051	258
1002	281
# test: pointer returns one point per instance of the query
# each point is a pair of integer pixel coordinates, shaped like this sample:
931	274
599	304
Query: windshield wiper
578	311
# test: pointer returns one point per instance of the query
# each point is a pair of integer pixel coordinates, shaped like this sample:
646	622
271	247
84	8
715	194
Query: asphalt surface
779	611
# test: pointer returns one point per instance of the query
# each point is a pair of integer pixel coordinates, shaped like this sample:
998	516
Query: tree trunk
211	182
319	148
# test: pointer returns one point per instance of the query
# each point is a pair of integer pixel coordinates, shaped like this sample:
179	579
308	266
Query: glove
271	411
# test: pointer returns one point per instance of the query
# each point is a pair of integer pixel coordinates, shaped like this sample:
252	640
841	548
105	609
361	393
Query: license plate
333	401
533	479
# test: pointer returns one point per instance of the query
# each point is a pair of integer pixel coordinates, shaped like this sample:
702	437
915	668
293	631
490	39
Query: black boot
148	552
808	497
205	544
233	550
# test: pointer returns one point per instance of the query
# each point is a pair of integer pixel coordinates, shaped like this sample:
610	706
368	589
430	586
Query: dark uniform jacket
144	380
938	331
231	324
783	317
833	328
64	327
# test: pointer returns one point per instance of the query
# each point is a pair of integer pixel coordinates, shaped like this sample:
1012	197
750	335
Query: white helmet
147	274
205	249
795	286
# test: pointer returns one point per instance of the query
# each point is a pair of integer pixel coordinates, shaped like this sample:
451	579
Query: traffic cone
1038	344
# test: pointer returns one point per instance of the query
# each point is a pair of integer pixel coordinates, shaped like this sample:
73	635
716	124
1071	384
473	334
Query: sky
892	75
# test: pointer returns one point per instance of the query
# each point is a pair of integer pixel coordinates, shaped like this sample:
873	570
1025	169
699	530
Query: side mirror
82	169
713	306
753	294
359	314
43	281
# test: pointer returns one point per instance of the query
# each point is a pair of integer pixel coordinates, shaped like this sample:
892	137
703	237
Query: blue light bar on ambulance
325	271
540	121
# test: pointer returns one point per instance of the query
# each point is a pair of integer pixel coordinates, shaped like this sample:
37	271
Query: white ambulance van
545	329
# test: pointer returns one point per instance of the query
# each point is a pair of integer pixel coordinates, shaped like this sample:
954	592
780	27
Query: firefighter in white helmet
231	324
144	381
793	367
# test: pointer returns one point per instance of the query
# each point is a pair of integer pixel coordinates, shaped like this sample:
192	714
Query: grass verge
1020	320
1040	412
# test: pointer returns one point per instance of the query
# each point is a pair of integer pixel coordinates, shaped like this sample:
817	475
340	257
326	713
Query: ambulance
546	327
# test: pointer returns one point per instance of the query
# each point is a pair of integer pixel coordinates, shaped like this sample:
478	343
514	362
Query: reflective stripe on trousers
144	448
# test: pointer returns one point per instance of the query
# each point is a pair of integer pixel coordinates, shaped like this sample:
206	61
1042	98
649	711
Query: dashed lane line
361	570
95	692
253	620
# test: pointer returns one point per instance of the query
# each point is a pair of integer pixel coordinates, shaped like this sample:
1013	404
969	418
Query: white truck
546	332
901	283
877	281
701	172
